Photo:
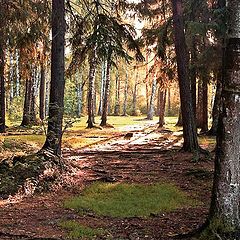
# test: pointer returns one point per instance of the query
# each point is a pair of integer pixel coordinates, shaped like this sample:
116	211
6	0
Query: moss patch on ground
77	231
129	200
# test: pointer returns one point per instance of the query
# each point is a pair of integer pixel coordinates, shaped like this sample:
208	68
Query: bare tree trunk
92	72
189	128
42	92
103	82
26	120
169	102
2	91
225	206
216	105
106	91
125	94
56	103
79	87
17	73
117	95
162	103
152	99
134	101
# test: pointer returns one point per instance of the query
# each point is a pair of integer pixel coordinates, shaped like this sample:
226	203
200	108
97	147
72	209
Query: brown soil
142	157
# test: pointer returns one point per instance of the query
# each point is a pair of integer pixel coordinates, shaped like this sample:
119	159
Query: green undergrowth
129	200
77	231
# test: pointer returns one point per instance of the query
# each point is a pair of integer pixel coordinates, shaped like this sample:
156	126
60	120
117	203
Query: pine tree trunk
117	95
134	101
2	91
17	74
11	77
169	102
216	105
204	127
125	94
152	99
103	82
92	72
56	103
106	93
42	92
225	206
26	120
189	127
162	103
79	88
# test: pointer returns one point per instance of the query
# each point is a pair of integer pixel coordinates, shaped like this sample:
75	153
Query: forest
120	120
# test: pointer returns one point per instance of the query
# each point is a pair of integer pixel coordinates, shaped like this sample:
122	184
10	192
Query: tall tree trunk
26	120
117	95
204	127
162	94
152	99
2	91
106	91
92	72
42	92
169	102
147	80
225	205
125	94
17	73
56	103
103	82
179	121
79	88
216	105
11	77
134	101
189	127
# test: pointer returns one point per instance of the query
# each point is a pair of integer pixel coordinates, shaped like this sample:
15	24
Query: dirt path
142	155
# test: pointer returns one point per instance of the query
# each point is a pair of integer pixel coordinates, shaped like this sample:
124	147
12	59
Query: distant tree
189	127
56	103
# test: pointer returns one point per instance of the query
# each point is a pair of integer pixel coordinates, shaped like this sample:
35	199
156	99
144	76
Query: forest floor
139	153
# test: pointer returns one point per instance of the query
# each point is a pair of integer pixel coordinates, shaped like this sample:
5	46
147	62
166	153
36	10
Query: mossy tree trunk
225	206
56	104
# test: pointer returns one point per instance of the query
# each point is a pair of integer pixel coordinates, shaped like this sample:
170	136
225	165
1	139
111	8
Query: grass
77	231
129	200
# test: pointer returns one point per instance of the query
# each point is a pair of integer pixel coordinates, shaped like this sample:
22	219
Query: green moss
129	200
77	231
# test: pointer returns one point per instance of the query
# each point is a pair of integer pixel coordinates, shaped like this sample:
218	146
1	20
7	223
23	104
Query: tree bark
225	205
2	91
26	120
106	93
162	103
189	128
117	95
92	72
103	82
134	101
216	105
152	99
56	103
125	94
42	92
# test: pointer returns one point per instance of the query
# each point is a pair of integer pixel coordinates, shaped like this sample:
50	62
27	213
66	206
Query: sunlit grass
77	231
129	200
